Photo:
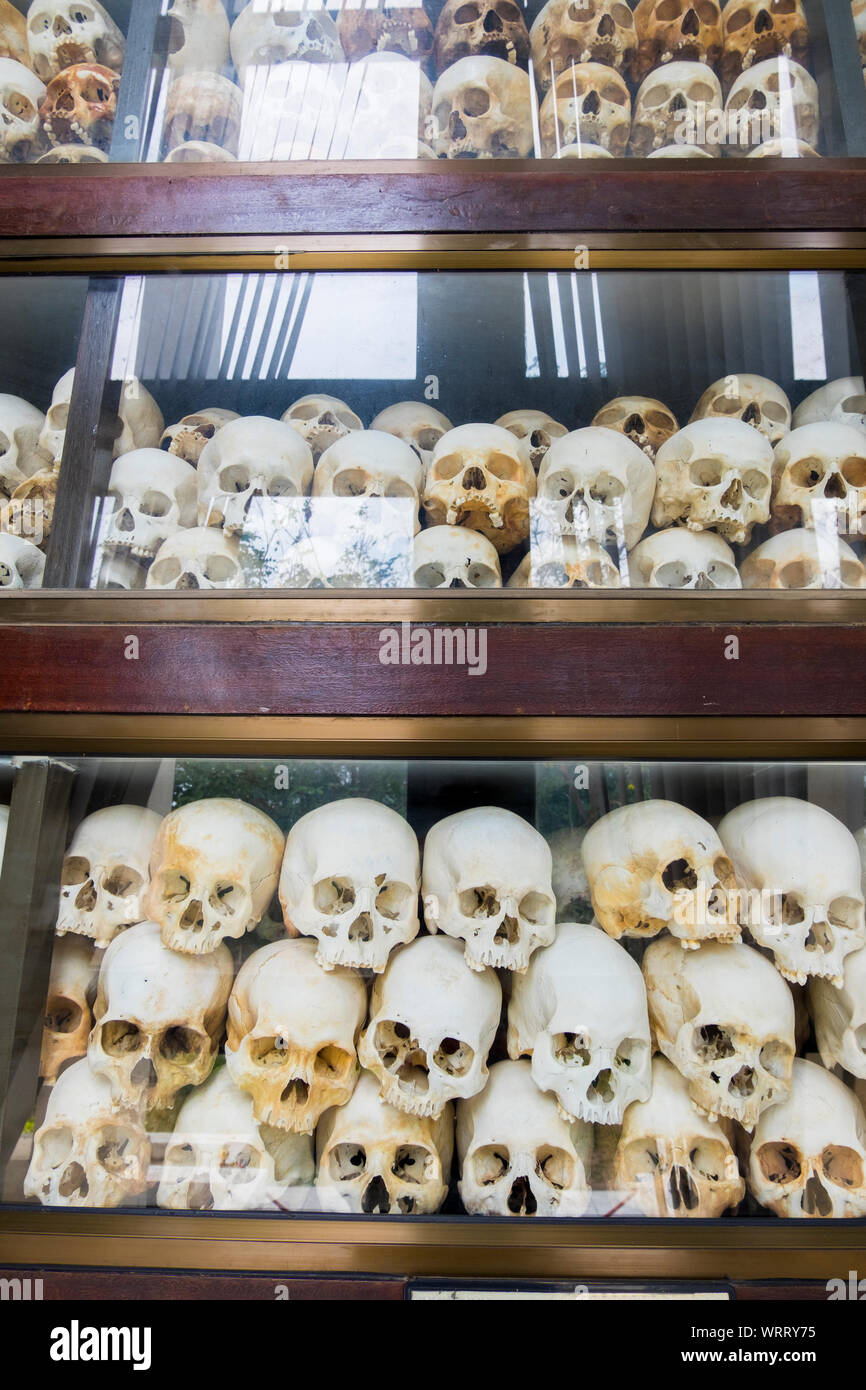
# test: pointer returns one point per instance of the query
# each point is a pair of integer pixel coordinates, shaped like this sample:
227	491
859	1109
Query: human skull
580	1013
677	104
53	433
808	1153
672	1160
69	1006
725	1018
213	871
21	96
646	422
80	105
32	504
63	33
219	1158
752	399
203	106
566	562
158	1018
350	879
198	39
583	152
682	559
262	37
105	873
188	437
588	102
777	99
432	1024
597	485
21	454
843	402
680	152
450	557
783	149
199	152
678	30
371	463
478	478
418	424
486	880
87	1152
567	32
22	564
252	456
198	558
293	1034
154	496
655	865
119	571
391	102
373	1157
535	430
570	884
321	421
386	28
518	1157
714	475
805	864
13	34
820	478
139	419
73	154
481	28
482	110
755	30
840	1016
802	559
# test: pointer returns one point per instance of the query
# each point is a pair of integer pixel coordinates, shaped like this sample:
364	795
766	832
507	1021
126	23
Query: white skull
22	564
843	402
646	422
253	456
198	558
752	399
820	478
672	1160
583	151
293	1034
840	1016
805	864
536	431
20	453
154	496
783	149
53	434
159	1018
518	1157
566	32
570	884
725	1018
675	105
597	485
69	1006
262	37
140	421
580	1013
680	152
714	475
106	872
755	30
119	571
450	557
808	1153
375	1158
198	38
350	879
482	109
214	869
321	421
566	562
418	424
219	1158
391	104
73	154
61	33
199	152
487	881
478	478
588	103
203	106
681	559
687	30
188	437
432	1024
802	559
21	95
371	463
776	99
87	1152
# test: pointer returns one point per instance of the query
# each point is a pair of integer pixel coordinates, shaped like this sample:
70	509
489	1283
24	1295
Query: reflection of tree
311	783
344	542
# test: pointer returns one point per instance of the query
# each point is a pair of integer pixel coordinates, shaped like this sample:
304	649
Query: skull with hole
139	419
568	32
487	881
517	1156
478	478
80	105
219	1158
87	1152
432	1024
714	475
588	102
392	103
373	1158
106	872
22	564
262	37
580	1013
450	557
199	152
802	559
655	865
775	100
681	559
752	399
566	562
842	401
755	30
671	1160
481	28
68	1009
840	1016
13	34
63	33
21	454
321	421
535	430
402	29
31	507
371	463
198	38
188	437
482	109
418	424
159	1017
570	884
250	457
597	485
808	1152
203	106
154	495
805	865
820	479
350	878
213	871
680	103
725	1018
199	558
21	96
676	30
646	422
293	1034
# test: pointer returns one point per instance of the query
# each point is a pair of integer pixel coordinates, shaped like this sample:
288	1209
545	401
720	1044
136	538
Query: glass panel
263	997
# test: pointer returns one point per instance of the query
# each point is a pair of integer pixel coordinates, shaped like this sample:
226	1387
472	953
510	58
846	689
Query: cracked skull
535	430
251	457
597	485
478	479
105	872
714	475
646	422
386	29
321	421
481	28
188	437
418	424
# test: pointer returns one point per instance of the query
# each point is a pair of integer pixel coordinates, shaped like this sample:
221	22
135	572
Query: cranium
754	30
371	463
805	865
105	873
783	149
714	475
646	422
22	564
775	100
482	110
680	103
80	105
262	37
203	106
597	485
250	457
418	424
68	1009
31	506
13	34
481	28
214	869
21	96
199	152
725	1018
63	33
518	1157
680	30
535	430
139	419
386	29
842	401
198	558
588	102
391	102
680	152
583	152
682	559
487	881
350	879
53	433
803	560
188	437
73	154
567	32
570	884
154	496
198	39
450	557
432	1024
321	421
566	562
293	1033
820	478
119	571
840	1016
375	1158
478	478
752	399
21	454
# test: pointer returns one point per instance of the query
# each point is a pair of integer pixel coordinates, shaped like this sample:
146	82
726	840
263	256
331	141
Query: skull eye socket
333	895
447	468
269	1051
640	1158
75	870
155	504
846	913
708	1159
474	102
427	439
393	900
481	577
347	1162
510	13
558	486
785	910
119	1037
19	106
165	573
122	881
180	1156
56	1145
755	483
225	898
555	1167
219	569
807	473
351	482
282	487
853	470
398	488
239	1163
775	1058
622	15
780	1162
233	478
679	874
842	1166
175	886
535	908
429	577
656	96
410	1163
479	902
736	21
332	1061
706	472
630	1054
615	94
304	412
180	1045
454	1057
701	92
571	1049
62	1015
490	1163
116	1149
467	14
713	1043
502	467
551	576
775	411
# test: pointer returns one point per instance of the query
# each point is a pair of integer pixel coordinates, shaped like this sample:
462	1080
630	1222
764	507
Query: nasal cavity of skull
571	1049
490	1164
376	1198
479	902
820	938
62	1015
713	1043
816	1200
733	495
682	1189
143	1075
555	1167
775	1058
199	1195
521	1199
74	1181
180	1045
508	932
679	874
192	917
454	1057
474	480
120	1037
351	482
842	1166
601	1088
295	1093
114	1149
346	1162
362	928
410	1163
121	881
780	1162
742	1083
